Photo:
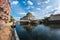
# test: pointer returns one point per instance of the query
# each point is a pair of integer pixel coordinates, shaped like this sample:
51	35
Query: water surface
38	32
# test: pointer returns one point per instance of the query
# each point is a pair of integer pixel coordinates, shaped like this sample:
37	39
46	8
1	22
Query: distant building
29	16
5	10
55	17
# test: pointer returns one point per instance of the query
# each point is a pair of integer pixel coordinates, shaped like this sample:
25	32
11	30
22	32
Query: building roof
28	15
56	15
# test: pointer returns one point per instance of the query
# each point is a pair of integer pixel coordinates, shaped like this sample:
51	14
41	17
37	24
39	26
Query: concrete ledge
5	33
14	34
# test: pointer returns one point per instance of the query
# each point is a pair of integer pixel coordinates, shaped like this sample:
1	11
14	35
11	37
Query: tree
46	19
12	19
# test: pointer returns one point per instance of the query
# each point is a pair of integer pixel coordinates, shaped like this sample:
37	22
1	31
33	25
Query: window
6	5
1	9
0	17
4	0
5	11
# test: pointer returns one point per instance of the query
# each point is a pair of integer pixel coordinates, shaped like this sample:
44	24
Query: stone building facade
5	10
28	16
55	17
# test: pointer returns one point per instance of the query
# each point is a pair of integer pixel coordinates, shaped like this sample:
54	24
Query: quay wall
5	32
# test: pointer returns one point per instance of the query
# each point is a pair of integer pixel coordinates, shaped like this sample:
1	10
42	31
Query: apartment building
5	10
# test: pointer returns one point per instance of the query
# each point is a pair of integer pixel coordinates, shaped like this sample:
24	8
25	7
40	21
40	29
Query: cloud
47	1
14	3
47	15
33	13
38	8
22	13
58	8
32	6
38	3
17	18
28	7
29	2
48	7
55	10
42	1
52	11
24	2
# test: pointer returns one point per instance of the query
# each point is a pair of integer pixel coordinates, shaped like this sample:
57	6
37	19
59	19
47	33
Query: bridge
28	21
23	21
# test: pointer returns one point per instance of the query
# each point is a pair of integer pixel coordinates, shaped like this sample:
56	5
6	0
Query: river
38	32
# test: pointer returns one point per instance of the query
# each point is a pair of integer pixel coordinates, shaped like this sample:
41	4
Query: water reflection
28	27
38	32
53	25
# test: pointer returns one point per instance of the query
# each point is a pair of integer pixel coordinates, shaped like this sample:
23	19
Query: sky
39	8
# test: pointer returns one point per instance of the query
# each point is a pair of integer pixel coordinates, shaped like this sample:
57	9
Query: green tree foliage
45	19
12	19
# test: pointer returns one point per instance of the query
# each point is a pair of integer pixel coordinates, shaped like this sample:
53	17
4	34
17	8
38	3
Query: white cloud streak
47	1
38	8
22	13
29	2
39	1
48	7
14	3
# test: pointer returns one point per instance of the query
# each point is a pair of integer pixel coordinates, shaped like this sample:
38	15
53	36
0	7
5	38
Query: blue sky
39	8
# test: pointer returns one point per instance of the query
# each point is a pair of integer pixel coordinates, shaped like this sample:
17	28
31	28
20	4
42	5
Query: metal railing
14	34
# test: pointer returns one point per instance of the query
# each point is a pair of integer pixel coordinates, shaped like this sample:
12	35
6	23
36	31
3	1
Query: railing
23	20
14	34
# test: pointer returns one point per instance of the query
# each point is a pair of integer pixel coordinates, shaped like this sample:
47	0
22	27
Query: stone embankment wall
5	32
